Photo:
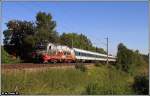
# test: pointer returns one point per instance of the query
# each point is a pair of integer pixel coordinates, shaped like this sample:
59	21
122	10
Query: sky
121	22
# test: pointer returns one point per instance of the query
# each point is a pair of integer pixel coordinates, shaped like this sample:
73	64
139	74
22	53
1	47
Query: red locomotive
54	53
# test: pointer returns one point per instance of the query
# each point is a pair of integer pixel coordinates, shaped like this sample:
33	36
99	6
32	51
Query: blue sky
125	22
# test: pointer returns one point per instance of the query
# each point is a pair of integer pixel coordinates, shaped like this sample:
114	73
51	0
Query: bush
98	64
81	67
7	59
141	85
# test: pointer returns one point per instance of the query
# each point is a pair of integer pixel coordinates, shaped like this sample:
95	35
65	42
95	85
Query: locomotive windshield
41	47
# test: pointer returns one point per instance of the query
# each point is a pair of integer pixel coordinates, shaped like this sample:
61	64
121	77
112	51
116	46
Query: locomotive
50	52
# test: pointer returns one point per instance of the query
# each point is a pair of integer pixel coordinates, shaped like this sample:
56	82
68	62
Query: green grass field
96	80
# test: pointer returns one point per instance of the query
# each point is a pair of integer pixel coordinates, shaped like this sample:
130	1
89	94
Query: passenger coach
84	55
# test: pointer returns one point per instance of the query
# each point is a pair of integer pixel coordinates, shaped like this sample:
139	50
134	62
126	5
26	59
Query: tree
78	41
16	37
127	59
45	29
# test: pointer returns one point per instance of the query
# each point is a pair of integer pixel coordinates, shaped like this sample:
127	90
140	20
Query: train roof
89	52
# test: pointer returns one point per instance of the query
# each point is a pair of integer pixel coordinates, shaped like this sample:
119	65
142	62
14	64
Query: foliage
128	60
17	38
67	81
45	29
7	59
141	85
145	57
78	41
123	56
81	67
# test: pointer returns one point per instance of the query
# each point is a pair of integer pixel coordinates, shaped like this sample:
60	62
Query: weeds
98	64
96	80
81	67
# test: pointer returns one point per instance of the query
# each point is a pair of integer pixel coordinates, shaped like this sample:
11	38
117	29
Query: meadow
101	79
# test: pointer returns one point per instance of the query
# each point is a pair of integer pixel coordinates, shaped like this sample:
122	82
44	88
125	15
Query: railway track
33	65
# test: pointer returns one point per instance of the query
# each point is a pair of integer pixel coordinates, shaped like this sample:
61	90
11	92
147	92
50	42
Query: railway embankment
31	67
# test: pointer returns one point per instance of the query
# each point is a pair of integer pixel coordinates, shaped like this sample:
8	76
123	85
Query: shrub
81	67
98	64
141	85
7	59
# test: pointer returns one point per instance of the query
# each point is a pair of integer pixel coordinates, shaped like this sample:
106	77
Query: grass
96	80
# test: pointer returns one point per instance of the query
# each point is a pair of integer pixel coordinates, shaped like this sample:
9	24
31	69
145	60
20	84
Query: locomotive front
53	53
38	53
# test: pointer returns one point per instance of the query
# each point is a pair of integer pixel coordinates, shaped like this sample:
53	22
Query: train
53	53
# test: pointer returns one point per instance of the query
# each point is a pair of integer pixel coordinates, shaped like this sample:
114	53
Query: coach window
89	55
82	54
85	54
79	53
92	55
95	56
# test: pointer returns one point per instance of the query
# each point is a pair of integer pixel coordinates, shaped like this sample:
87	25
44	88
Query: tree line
128	59
21	37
